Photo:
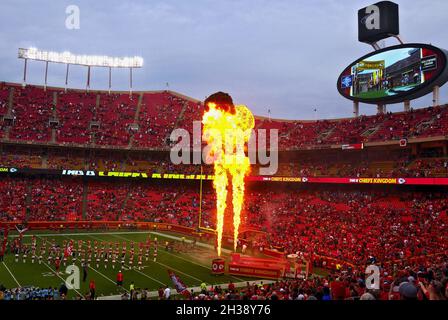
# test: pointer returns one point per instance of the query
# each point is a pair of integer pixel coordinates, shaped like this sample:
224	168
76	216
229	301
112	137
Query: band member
140	258
33	255
57	264
83	257
24	253
155	254
114	259
124	247
131	260
106	259
123	256
148	248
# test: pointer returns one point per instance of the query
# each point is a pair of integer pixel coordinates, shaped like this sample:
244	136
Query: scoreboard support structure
436	96
356	109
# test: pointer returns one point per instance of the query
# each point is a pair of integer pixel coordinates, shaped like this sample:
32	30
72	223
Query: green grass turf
372	94
192	267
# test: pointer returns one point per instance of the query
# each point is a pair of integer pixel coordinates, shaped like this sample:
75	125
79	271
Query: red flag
68	251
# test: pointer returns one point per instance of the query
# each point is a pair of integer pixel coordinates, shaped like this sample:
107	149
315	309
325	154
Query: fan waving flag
178	283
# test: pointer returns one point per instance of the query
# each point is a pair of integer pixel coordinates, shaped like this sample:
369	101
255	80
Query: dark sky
279	55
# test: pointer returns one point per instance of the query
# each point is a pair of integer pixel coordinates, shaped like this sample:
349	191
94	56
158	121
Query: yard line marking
57	274
201	244
137	232
145	275
164	265
130	268
12	274
99	272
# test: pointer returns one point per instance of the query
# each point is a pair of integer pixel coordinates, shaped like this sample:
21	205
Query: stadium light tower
82	60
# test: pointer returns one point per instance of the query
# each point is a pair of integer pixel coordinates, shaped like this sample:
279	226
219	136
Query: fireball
227	130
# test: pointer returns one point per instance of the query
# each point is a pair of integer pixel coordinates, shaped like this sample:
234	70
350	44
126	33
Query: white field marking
99	272
137	232
130	268
145	275
12	275
57	274
201	244
189	241
164	265
153	294
60	277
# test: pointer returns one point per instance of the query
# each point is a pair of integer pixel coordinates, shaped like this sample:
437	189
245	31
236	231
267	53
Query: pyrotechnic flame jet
227	130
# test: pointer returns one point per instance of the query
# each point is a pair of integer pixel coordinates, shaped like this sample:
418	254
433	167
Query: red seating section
161	112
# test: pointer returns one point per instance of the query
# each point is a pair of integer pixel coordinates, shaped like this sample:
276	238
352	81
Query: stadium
92	205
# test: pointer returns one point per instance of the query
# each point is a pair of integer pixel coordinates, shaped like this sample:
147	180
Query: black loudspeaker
378	21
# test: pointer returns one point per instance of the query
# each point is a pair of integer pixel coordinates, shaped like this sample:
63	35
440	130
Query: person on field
92	288
132	290
120	279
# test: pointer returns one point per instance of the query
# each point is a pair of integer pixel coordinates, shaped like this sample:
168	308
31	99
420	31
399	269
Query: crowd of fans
117	120
31	112
411	283
405	232
115	114
416	283
351	226
33	293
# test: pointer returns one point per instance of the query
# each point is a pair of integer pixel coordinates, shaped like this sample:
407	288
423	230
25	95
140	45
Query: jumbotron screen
392	73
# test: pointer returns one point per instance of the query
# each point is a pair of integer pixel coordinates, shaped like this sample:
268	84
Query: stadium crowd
340	230
419	283
33	293
146	120
351	226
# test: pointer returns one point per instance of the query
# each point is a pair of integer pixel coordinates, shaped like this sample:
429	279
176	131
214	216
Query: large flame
227	135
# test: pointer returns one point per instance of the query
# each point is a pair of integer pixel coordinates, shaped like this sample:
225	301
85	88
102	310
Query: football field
191	263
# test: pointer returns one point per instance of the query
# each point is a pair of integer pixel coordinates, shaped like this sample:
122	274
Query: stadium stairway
28	199
139	107
125	201
8	114
55	103
135	124
422	126
10	101
44	161
84	199
382	166
6	133
326	134
370	131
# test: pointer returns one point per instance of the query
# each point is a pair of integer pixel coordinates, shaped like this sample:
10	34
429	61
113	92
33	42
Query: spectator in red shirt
92	288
